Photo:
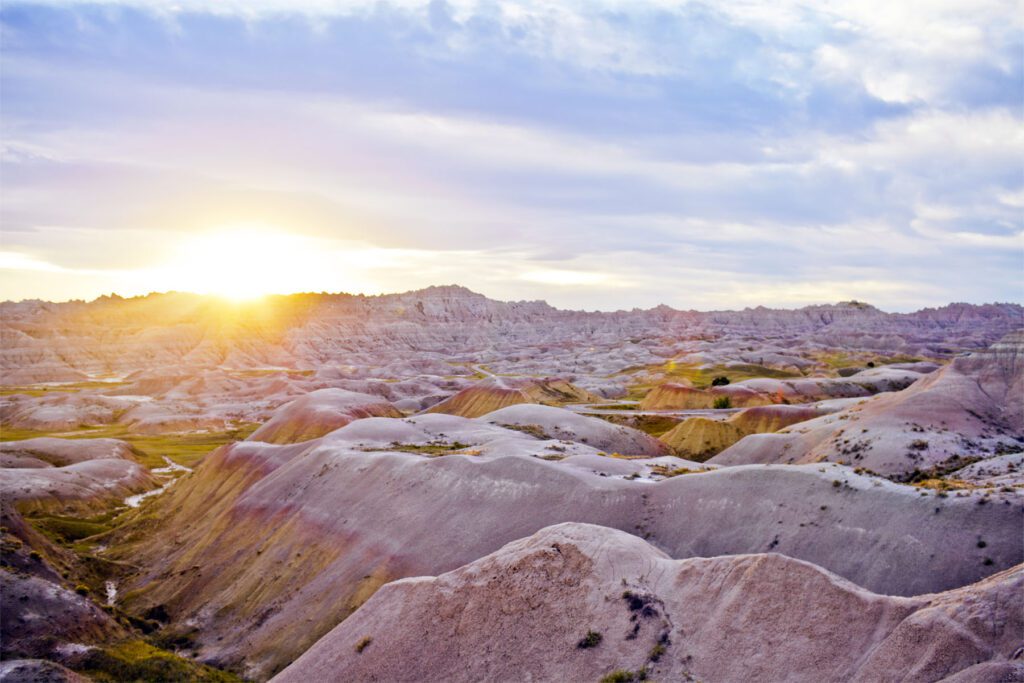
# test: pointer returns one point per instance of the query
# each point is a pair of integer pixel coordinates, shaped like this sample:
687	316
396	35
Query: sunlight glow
245	262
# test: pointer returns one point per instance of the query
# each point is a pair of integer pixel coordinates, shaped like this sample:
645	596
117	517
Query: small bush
836	484
982	544
722	402
620	676
363	643
592	639
82	589
720	381
656	652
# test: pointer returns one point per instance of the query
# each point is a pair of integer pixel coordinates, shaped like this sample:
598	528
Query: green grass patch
700	377
46	389
8	434
654	425
186	448
842	359
265	372
68	530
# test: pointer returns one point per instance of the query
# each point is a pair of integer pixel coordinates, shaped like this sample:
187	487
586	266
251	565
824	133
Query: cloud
601	154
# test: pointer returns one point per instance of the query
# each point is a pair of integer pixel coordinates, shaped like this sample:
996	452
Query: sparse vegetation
535	431
139	661
185	448
592	639
700	377
621	676
70	529
435	449
667	472
722	402
720	381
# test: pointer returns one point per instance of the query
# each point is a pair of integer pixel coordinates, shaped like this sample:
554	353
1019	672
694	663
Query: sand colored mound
700	438
548	422
671	396
265	548
773	418
524	612
970	409
320	412
51	452
496	393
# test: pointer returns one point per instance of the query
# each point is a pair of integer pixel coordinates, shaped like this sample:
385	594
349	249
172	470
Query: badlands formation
438	486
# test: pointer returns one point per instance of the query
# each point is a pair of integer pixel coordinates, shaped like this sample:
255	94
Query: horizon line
255	301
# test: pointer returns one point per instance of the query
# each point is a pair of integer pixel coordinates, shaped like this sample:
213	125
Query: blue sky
594	154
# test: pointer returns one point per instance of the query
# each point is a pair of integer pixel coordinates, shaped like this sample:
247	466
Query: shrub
619	676
363	643
720	381
871	363
592	639
82	589
722	402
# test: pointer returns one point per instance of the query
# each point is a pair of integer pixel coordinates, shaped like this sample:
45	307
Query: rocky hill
44	341
580	602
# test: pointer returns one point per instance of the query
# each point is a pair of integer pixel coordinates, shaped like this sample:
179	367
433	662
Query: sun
245	262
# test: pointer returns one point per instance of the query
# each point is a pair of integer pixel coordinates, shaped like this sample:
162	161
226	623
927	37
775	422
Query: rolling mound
773	418
496	393
547	422
82	487
59	411
320	412
579	602
265	548
969	410
51	452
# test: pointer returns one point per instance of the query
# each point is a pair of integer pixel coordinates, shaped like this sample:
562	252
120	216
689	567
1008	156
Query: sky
598	154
